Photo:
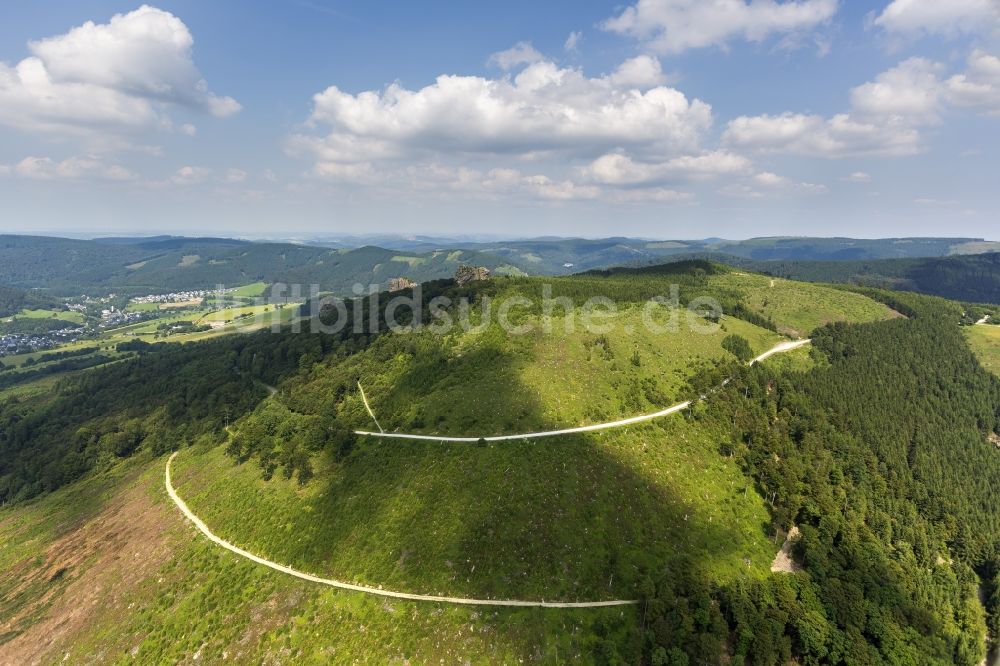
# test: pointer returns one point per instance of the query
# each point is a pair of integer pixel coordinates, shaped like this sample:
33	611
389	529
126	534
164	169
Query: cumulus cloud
501	182
946	17
673	26
118	77
640	72
72	168
912	89
979	87
544	109
522	53
769	184
813	135
618	169
886	114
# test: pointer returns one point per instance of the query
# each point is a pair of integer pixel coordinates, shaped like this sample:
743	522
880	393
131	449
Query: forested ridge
880	456
972	278
159	399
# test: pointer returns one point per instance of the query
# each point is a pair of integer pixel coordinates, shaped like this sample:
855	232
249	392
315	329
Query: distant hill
555	256
969	278
66	266
146	265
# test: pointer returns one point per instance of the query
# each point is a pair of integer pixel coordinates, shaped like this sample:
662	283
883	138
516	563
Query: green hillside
683	513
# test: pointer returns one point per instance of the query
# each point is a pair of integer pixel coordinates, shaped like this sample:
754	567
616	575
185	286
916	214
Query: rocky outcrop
466	274
783	561
399	284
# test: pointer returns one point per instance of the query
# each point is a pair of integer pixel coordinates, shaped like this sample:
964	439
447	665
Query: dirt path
533	435
777	349
781	348
203	528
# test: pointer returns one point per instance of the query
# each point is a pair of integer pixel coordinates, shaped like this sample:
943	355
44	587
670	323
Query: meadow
985	341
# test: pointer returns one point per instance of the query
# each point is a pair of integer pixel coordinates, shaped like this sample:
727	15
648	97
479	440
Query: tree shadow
562	518
565	518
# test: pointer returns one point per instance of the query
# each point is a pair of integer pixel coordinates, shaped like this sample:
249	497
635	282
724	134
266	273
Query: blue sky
660	118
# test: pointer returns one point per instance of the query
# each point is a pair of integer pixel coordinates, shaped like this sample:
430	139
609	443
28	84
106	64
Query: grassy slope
799	308
136	582
570	518
985	341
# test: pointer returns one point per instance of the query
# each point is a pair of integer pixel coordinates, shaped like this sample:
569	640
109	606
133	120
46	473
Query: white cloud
773	181
493	184
544	109
912	90
618	169
190	175
979	86
640	72
673	26
885	115
858	177
541	186
4	170
767	183
522	53
839	136
572	43
118	77
946	17
188	129
769	179
72	168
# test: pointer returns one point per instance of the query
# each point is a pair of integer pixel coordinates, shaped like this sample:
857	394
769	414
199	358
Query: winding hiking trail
203	528
463	601
780	348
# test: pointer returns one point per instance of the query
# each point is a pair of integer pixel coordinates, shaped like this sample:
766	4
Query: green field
985	341
227	315
249	290
65	315
142	307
